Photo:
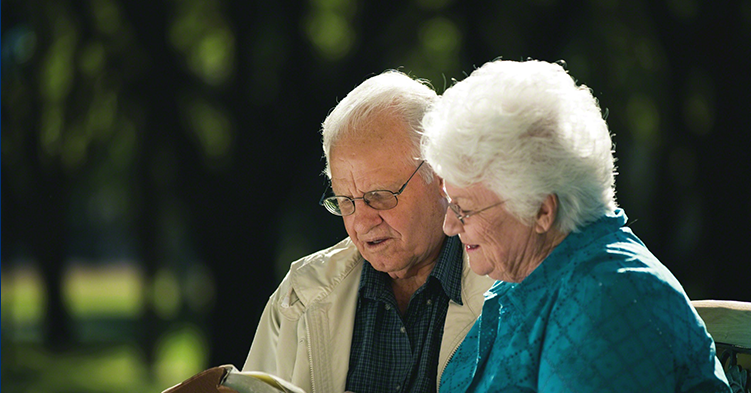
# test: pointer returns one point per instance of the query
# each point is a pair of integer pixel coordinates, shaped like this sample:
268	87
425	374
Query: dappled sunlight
199	31
180	353
644	119
165	294
101	361
23	302
329	27
699	103
114	369
440	42
212	129
112	290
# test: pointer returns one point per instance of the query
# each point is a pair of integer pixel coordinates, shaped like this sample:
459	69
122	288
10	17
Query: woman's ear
547	214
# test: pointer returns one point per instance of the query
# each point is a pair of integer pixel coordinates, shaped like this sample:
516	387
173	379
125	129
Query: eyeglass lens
379	200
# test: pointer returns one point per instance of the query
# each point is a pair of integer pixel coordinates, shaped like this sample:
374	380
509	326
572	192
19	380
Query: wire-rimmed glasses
377	199
461	214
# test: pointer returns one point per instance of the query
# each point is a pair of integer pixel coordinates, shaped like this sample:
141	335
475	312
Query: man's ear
547	214
440	184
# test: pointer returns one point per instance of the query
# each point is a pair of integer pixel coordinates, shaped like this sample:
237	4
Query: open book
228	379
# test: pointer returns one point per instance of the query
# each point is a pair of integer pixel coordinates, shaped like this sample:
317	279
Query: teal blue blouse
600	314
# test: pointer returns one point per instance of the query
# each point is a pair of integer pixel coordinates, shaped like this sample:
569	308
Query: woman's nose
451	224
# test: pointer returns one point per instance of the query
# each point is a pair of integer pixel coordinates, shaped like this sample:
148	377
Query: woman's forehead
472	192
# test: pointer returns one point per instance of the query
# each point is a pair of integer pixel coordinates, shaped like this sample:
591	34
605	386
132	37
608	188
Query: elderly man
384	309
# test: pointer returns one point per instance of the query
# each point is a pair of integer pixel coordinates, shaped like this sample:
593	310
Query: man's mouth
471	247
376	242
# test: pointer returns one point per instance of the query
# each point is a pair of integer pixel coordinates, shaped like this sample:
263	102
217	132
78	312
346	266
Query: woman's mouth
471	247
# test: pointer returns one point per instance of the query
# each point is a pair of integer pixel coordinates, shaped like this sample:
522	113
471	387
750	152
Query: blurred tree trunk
236	211
48	204
39	183
156	95
43	196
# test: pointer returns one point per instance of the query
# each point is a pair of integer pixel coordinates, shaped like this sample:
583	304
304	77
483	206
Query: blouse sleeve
626	330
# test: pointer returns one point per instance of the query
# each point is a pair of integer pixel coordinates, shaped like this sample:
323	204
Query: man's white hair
525	130
391	91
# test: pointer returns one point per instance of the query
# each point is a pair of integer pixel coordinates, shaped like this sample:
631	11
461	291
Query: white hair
391	91
525	130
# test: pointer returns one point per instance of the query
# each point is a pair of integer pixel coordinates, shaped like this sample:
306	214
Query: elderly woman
580	304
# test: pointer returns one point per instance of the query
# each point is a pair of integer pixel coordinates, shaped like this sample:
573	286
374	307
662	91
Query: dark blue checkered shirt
399	353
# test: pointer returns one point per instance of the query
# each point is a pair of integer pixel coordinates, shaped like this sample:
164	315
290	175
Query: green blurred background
161	159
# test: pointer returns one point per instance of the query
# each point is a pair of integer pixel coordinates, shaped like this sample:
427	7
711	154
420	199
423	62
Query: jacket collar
315	276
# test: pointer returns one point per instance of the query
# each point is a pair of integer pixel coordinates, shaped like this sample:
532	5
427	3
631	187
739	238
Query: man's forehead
362	175
364	172
353	155
378	126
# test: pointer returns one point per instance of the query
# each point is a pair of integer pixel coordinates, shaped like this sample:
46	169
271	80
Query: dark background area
161	159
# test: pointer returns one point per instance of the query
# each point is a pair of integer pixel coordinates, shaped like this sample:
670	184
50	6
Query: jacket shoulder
314	276
344	250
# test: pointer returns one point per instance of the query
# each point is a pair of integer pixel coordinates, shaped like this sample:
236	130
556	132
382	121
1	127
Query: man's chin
383	264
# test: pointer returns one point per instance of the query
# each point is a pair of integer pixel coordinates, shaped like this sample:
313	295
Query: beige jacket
305	332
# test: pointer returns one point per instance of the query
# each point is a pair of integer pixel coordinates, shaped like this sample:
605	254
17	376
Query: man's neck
404	288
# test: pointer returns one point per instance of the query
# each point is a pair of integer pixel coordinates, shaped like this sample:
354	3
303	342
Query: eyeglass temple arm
410	178
323	196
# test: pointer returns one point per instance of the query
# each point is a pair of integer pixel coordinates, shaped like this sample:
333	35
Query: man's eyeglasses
461	214
378	199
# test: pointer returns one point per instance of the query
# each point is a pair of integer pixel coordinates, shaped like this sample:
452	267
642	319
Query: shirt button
403	330
398	387
388	307
429	302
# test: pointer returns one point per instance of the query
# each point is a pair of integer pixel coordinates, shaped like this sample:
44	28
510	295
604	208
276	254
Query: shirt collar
447	270
559	261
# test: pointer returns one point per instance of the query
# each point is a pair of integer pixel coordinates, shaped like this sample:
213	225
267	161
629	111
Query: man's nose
365	217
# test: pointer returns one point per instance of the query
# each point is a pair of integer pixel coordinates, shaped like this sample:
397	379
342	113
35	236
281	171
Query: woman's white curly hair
525	130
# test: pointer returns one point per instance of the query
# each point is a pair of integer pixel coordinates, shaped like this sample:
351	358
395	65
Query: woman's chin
480	268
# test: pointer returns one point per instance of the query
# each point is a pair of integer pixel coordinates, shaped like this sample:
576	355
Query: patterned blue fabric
600	314
399	353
